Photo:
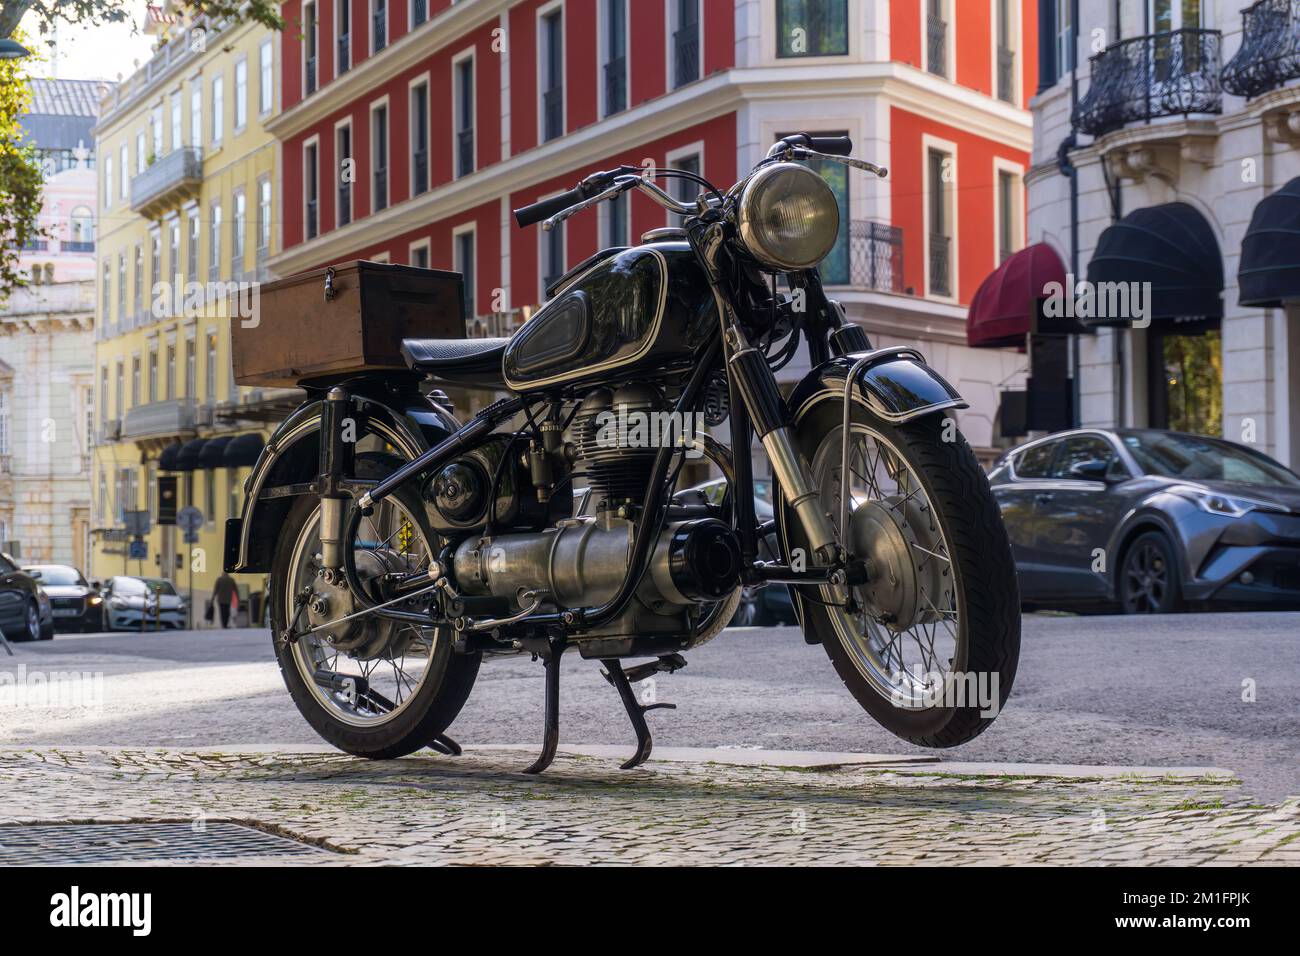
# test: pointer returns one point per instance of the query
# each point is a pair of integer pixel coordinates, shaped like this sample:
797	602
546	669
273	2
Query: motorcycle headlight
789	218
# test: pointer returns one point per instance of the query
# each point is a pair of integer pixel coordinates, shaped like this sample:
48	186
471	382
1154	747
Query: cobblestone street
689	809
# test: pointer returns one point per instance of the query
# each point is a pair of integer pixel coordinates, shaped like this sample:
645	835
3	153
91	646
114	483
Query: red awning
1002	312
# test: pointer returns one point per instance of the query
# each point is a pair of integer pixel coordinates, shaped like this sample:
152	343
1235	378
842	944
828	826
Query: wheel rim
374	682
1146	579
33	622
894	526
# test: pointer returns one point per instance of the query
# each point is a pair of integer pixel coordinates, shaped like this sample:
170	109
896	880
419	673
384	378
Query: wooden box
348	318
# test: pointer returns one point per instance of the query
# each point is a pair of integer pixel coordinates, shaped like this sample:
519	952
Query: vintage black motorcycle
405	547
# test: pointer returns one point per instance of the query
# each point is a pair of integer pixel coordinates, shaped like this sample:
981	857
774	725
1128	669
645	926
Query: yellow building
187	190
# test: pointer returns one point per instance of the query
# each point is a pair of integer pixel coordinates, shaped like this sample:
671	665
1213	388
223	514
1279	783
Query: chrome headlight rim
751	227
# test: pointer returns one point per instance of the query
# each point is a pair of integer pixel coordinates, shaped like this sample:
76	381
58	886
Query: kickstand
445	745
4	641
551	733
636	713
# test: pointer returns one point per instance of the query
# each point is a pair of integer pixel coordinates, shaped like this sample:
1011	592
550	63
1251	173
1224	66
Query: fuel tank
641	310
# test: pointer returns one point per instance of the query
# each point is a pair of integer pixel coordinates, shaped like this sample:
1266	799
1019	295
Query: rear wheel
929	644
371	687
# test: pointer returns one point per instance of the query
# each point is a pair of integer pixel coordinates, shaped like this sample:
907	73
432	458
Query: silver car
1150	520
135	604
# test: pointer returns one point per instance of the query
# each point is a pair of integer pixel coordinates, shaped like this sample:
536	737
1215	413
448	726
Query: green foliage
94	12
20	176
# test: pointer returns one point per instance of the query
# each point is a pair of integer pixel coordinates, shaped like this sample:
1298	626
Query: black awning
187	459
1270	254
243	450
213	453
1173	248
168	456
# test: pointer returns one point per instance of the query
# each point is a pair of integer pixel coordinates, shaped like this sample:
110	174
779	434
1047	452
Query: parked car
25	612
769	606
129	599
1150	520
75	604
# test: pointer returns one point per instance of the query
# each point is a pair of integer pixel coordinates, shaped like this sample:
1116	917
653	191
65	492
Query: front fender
895	383
292	456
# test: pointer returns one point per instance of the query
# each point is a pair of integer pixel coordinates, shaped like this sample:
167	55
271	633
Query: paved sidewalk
701	807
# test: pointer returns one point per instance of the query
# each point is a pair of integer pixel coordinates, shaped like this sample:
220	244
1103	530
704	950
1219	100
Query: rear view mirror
35	575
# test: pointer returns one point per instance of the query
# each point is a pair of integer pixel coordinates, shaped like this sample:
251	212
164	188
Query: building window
463	91
614	41
103	395
552	75
214	241
137	278
238	219
309	48
82	230
419	12
263	221
174	246
153	373
938	165
124	185
379	158
419	138
343	136
266	77
108	182
218	107
812	28
141	153
1006	51
684	38
196	113
105	290
1010	214
210	369
420	254
835	267
156	131
241	93
192	245
119	388
121	290
378	25
135	380
936	37
155	258
615	221
191	366
171	370
311	190
1063	37
464	264
343	22
178	119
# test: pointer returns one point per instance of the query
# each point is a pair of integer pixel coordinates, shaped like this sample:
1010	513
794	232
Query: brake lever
621	185
803	152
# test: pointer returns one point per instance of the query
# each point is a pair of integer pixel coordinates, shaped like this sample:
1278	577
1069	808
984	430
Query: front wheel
929	644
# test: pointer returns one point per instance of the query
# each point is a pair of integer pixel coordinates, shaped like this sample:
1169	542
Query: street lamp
12	49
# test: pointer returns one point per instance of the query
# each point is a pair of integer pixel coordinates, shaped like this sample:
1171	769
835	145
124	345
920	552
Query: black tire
984	571
1149	579
436	703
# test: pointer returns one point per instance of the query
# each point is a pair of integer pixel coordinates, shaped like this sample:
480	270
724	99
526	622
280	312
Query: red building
452	114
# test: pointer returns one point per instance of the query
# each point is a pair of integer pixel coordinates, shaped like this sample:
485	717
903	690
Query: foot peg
636	711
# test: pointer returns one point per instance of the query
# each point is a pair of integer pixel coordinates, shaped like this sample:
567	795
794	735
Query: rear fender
411	425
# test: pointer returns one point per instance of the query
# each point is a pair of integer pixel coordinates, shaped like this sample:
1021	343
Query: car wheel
32	630
747	611
1149	581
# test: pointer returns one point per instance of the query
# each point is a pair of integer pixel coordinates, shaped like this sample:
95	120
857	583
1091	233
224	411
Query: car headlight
789	218
1227	506
94	599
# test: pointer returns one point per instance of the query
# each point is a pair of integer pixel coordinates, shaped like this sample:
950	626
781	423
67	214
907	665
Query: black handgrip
546	208
831	145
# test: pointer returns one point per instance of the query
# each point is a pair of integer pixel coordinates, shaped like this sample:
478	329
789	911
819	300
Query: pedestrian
223	592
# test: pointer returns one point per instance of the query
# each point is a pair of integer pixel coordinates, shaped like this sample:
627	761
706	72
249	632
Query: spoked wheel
370	686
929	643
1149	582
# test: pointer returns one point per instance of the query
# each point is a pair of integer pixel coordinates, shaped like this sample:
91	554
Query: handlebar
546	208
830	145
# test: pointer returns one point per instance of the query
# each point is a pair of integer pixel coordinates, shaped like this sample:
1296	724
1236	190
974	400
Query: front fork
337	460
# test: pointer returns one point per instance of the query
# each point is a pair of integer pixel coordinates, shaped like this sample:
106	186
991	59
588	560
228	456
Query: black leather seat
466	361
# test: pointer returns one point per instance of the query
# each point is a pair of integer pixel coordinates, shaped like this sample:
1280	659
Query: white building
1186	118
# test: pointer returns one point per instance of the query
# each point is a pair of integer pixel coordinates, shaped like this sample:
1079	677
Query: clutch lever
803	152
622	184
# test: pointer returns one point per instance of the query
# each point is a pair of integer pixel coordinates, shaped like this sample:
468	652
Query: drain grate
54	844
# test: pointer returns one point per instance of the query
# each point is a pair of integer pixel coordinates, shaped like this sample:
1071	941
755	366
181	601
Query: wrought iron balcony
171	180
379	200
686	55
1006	74
309	82
875	260
1138	80
1270	48
419	171
936	36
419	12
940	264
379	28
313	219
465	152
616	85
553	113
345	53
77	245
345	204
170	418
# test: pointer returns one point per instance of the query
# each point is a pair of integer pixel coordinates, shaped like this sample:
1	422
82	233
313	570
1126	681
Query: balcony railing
380	198
1006	74
1270	48
1165	74
345	203
36	245
936	38
170	180
616	85
465	152
940	265
419	12
686	55
76	245
553	113
876	256
380	28
313	218
345	53
309	86
170	418
419	171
